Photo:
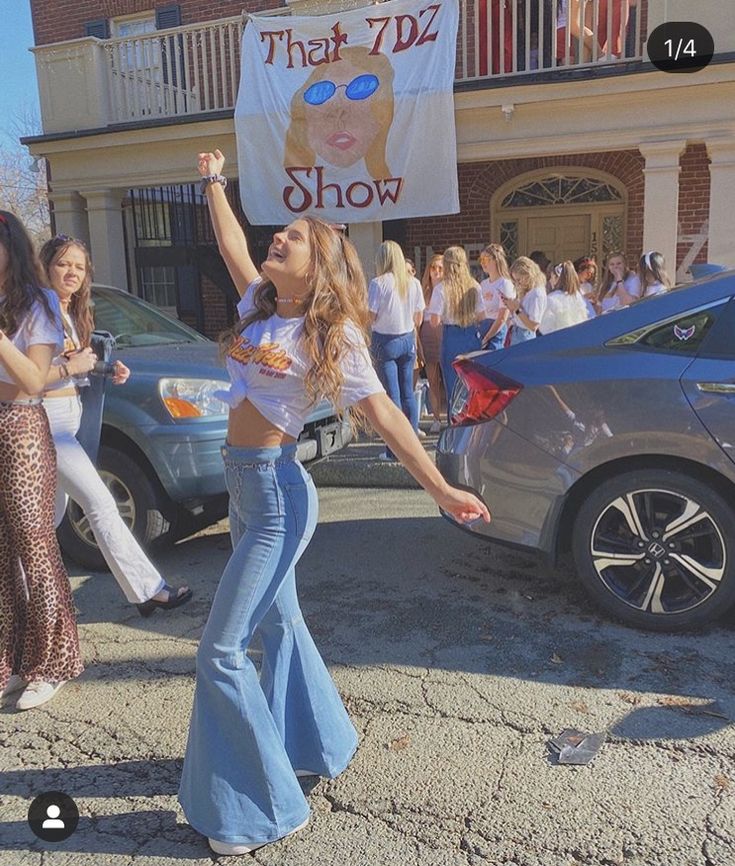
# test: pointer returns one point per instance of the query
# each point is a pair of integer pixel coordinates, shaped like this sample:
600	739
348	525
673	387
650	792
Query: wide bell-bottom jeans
249	734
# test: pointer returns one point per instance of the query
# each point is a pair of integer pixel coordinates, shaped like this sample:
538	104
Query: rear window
684	335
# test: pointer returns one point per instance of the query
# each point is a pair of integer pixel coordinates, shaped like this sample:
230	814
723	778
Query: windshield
135	323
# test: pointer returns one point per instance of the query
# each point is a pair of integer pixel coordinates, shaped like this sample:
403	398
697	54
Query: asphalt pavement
457	660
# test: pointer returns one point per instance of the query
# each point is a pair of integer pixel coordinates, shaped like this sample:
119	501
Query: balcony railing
196	69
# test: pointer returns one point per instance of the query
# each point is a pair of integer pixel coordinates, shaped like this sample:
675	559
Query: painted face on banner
341	123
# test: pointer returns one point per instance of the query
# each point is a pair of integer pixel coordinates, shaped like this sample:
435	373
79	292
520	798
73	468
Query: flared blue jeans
249	733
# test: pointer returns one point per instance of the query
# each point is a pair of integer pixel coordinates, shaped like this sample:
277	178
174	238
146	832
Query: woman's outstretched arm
388	420
231	241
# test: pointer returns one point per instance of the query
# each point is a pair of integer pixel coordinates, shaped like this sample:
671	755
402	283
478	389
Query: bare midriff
9	392
71	391
247	428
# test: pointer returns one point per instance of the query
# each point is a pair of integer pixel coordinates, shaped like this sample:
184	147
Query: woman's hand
511	304
464	506
81	362
121	374
210	163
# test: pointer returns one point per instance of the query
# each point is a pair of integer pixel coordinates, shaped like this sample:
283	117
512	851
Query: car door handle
716	387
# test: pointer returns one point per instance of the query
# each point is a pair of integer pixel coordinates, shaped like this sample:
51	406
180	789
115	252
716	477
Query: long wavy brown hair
22	282
80	305
426	283
460	287
336	299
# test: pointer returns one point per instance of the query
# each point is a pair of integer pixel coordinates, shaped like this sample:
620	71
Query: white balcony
91	83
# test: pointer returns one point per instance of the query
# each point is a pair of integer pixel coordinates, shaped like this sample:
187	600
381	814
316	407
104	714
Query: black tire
641	567
140	507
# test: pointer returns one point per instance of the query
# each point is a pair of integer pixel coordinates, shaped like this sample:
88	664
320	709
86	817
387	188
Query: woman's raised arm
231	241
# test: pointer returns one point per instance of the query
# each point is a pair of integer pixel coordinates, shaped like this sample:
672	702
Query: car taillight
483	394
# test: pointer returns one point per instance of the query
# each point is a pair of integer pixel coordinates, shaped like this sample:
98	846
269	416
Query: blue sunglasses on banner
359	88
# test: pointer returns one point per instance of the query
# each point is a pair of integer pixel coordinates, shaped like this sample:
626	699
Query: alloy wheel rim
123	499
658	551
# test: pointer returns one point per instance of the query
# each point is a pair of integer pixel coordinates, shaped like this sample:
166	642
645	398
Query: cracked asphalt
457	660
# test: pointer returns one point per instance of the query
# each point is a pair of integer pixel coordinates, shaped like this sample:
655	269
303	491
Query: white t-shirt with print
437	305
37	328
267	364
493	291
394	315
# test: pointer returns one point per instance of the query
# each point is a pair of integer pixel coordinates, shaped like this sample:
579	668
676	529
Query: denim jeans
77	477
457	340
394	358
498	339
248	734
519	334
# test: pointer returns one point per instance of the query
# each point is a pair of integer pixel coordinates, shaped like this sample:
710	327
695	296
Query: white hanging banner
349	116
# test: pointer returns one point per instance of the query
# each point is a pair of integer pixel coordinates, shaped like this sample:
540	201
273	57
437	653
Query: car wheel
656	549
137	500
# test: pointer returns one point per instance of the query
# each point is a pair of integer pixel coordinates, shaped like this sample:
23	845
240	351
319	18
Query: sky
19	91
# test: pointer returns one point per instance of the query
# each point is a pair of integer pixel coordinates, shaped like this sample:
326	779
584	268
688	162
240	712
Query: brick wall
478	181
57	20
218	311
694	185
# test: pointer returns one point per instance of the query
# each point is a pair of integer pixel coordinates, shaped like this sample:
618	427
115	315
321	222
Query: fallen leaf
721	782
579	706
556	659
399	743
629	698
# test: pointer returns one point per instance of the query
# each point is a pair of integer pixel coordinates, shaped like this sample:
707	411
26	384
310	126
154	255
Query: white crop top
267	365
36	328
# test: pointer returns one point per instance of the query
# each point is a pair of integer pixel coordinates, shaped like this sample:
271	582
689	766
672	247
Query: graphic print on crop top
272	358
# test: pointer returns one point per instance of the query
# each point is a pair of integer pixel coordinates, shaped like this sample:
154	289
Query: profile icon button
53	816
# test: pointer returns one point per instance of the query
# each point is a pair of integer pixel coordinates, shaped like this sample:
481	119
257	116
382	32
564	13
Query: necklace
294	299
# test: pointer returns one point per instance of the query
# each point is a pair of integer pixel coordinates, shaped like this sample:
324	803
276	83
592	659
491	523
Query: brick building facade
655	151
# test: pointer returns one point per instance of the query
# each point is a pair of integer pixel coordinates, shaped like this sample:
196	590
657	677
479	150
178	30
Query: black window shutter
99	28
168	16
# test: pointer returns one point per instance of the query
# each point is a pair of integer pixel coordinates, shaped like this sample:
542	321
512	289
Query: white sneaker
230	849
386	458
420	433
37	693
14	684
436	427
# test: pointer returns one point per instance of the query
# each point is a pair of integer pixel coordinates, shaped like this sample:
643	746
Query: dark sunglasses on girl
359	88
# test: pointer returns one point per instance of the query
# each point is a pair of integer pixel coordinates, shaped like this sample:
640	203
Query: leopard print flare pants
38	631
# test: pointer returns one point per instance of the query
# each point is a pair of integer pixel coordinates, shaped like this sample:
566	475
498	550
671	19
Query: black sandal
175	598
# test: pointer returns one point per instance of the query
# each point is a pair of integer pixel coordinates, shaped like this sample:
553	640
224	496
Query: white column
107	240
661	198
720	248
70	217
367	237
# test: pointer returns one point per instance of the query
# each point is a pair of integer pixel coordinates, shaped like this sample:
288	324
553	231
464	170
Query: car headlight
192	398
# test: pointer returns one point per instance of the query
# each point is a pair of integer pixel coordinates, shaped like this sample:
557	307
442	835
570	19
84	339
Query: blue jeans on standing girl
394	359
249	734
457	340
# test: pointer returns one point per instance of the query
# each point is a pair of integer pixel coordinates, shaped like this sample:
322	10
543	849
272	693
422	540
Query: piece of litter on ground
576	747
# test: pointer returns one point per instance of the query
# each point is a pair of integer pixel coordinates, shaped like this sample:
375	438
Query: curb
358	465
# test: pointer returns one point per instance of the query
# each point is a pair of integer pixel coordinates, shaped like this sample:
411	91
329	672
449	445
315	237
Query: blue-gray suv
162	431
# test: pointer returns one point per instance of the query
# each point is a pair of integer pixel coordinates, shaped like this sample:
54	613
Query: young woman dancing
301	336
39	645
68	269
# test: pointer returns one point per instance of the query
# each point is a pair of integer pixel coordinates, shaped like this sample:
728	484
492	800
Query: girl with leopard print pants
39	645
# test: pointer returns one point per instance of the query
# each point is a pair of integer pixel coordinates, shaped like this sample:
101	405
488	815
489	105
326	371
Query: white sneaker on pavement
233	849
37	693
14	684
435	427
420	433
